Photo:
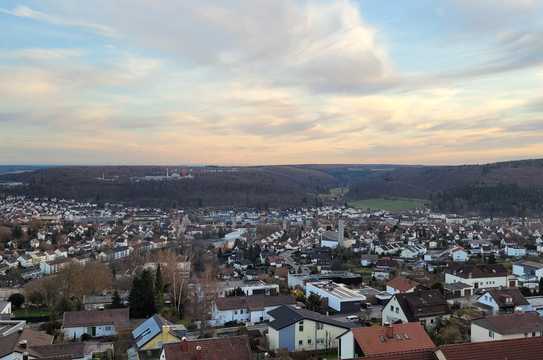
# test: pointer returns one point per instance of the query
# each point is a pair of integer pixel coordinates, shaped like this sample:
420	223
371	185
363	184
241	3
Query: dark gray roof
287	315
516	323
421	304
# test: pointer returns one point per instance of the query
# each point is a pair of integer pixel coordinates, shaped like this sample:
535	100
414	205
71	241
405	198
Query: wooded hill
506	188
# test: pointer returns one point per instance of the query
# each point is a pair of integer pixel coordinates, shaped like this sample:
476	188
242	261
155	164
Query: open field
389	204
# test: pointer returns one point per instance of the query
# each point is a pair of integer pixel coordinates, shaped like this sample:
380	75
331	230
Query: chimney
199	354
23	344
389	331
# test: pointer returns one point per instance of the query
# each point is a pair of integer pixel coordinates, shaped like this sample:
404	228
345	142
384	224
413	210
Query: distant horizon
257	165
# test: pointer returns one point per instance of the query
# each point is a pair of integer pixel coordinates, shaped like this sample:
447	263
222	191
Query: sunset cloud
282	81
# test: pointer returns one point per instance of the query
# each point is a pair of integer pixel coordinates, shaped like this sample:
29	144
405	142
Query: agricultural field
389	204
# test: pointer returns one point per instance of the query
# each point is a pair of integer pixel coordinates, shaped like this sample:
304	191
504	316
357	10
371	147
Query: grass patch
24	313
389	204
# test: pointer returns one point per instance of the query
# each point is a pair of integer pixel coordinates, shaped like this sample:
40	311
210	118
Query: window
309	341
397	310
235	312
533	333
300	342
108	328
301	326
491	334
320	326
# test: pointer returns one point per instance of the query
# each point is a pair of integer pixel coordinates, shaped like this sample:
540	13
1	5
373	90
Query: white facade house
515	251
339	297
504	300
506	327
478	277
428	307
249	288
528	273
246	309
94	323
295	329
459	255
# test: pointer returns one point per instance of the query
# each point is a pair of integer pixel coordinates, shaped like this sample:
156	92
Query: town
82	280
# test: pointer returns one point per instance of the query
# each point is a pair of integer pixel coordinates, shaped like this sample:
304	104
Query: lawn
389	204
24	313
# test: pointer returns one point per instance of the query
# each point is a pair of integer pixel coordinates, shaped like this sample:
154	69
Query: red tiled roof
402	284
425	354
228	348
518	349
396	338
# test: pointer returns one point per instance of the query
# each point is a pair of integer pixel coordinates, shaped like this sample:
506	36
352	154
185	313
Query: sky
249	82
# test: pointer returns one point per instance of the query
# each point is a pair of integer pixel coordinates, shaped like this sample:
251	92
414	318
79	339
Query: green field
389	204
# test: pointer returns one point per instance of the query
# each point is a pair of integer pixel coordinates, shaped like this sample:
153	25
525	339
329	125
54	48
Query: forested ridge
507	188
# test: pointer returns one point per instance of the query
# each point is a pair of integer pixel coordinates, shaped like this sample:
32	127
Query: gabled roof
287	315
402	284
477	271
117	317
509	324
393	338
424	303
501	297
10	343
518	349
227	348
148	330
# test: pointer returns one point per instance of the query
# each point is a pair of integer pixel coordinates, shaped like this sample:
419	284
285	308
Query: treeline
250	187
491	200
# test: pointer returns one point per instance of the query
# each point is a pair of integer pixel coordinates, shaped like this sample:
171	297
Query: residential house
54	266
477	276
152	334
296	329
374	340
505	300
400	285
18	344
515	251
528	273
247	309
428	307
96	302
224	348
339	297
458	254
94	323
508	326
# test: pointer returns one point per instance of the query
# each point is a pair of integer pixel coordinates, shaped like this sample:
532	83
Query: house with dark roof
247	309
296	329
225	348
15	344
428	307
94	323
152	334
506	300
508	326
374	340
478	276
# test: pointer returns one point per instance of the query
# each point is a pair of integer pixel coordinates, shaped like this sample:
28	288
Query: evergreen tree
541	287
116	302
142	296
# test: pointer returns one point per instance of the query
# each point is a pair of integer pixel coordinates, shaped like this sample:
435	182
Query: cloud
26	12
